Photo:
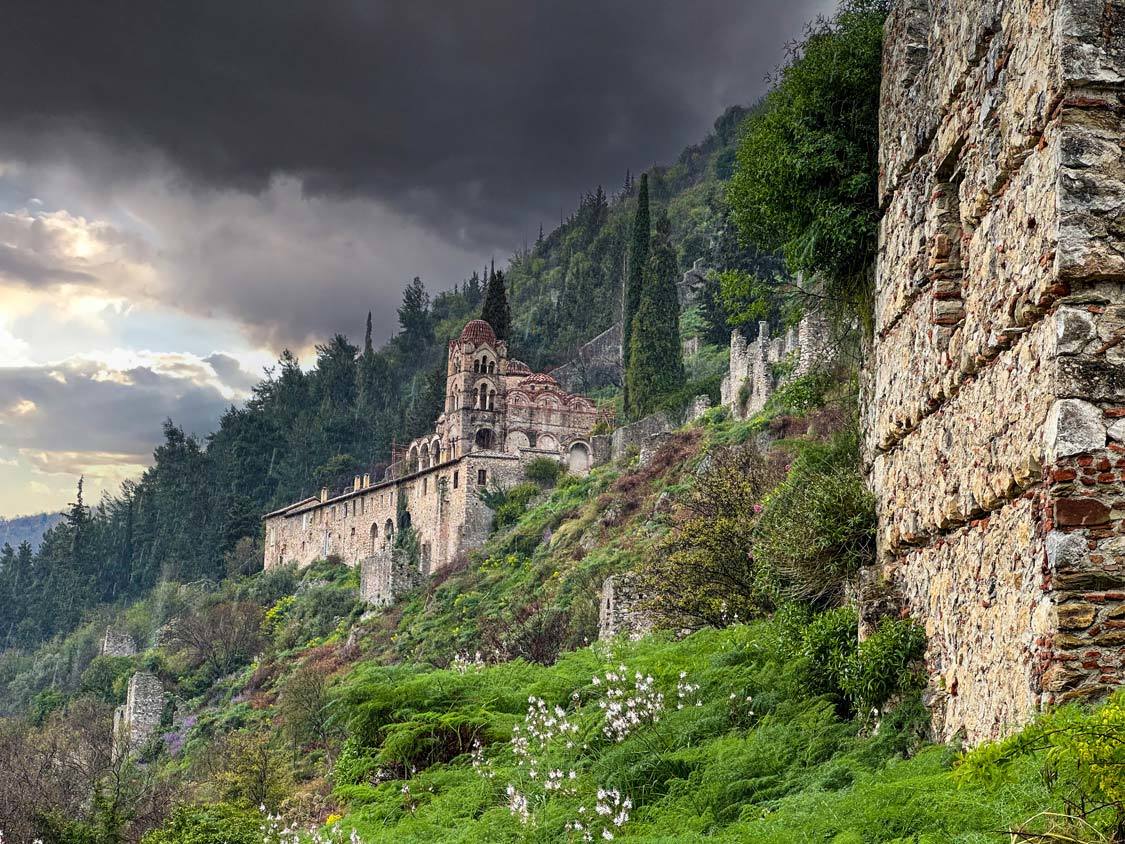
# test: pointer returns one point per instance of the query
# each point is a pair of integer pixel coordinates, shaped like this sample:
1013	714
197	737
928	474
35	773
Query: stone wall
118	643
997	374
135	721
620	612
639	435
442	501
387	575
597	363
762	365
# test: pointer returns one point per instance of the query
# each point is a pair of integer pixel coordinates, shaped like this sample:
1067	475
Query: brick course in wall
993	410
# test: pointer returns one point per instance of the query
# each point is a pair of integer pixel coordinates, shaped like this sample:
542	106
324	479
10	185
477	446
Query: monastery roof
518	367
478	331
540	378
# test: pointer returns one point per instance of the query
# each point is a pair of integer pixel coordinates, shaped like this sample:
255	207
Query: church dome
478	331
518	367
542	379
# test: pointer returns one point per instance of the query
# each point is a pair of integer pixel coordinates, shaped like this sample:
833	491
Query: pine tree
656	364
415	319
634	276
495	311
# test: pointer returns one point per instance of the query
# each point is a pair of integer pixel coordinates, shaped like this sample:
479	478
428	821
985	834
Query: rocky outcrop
997	374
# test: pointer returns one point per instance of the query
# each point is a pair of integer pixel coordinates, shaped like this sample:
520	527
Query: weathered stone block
994	412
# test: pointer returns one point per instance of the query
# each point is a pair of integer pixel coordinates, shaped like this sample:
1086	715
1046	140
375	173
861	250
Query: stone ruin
386	575
758	368
137	720
994	407
117	643
599	362
620	612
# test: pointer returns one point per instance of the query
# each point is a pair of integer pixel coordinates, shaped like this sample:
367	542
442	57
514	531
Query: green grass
791	771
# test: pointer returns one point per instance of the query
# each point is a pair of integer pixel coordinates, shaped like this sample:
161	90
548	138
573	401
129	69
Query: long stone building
995	413
498	415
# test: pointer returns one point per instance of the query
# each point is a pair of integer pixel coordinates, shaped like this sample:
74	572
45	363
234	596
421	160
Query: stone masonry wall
135	721
620	613
118	643
993	412
758	367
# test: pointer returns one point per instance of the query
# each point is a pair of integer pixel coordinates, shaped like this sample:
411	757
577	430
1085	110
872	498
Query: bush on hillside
544	471
706	570
509	504
107	677
208	824
886	664
817	527
219	637
1080	755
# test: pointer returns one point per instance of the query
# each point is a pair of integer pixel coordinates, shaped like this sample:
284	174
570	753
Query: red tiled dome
518	367
478	331
540	378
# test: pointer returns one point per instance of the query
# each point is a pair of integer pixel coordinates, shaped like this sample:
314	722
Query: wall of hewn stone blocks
998	375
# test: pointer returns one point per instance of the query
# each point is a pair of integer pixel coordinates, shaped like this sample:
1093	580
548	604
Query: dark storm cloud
479	119
81	408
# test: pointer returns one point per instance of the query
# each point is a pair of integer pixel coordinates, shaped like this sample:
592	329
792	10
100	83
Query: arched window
374	536
491	367
476	366
482	399
491	399
484	438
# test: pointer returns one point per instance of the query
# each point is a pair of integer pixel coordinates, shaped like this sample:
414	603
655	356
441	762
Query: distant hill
27	528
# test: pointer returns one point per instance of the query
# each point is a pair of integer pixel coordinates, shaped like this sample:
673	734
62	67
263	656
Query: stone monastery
498	416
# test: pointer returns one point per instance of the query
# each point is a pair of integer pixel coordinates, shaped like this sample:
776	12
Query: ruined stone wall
118	643
997	370
758	368
135	721
597	363
620	612
646	432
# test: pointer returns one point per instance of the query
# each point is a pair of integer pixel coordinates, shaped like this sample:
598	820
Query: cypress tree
634	275
656	364
495	311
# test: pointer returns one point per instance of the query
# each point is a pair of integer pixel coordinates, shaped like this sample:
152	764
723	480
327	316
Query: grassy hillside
479	709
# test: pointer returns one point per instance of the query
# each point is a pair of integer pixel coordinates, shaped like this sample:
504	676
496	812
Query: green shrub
509	505
314	614
705	571
829	646
802	394
106	678
885	665
219	822
1080	756
544	471
818	525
